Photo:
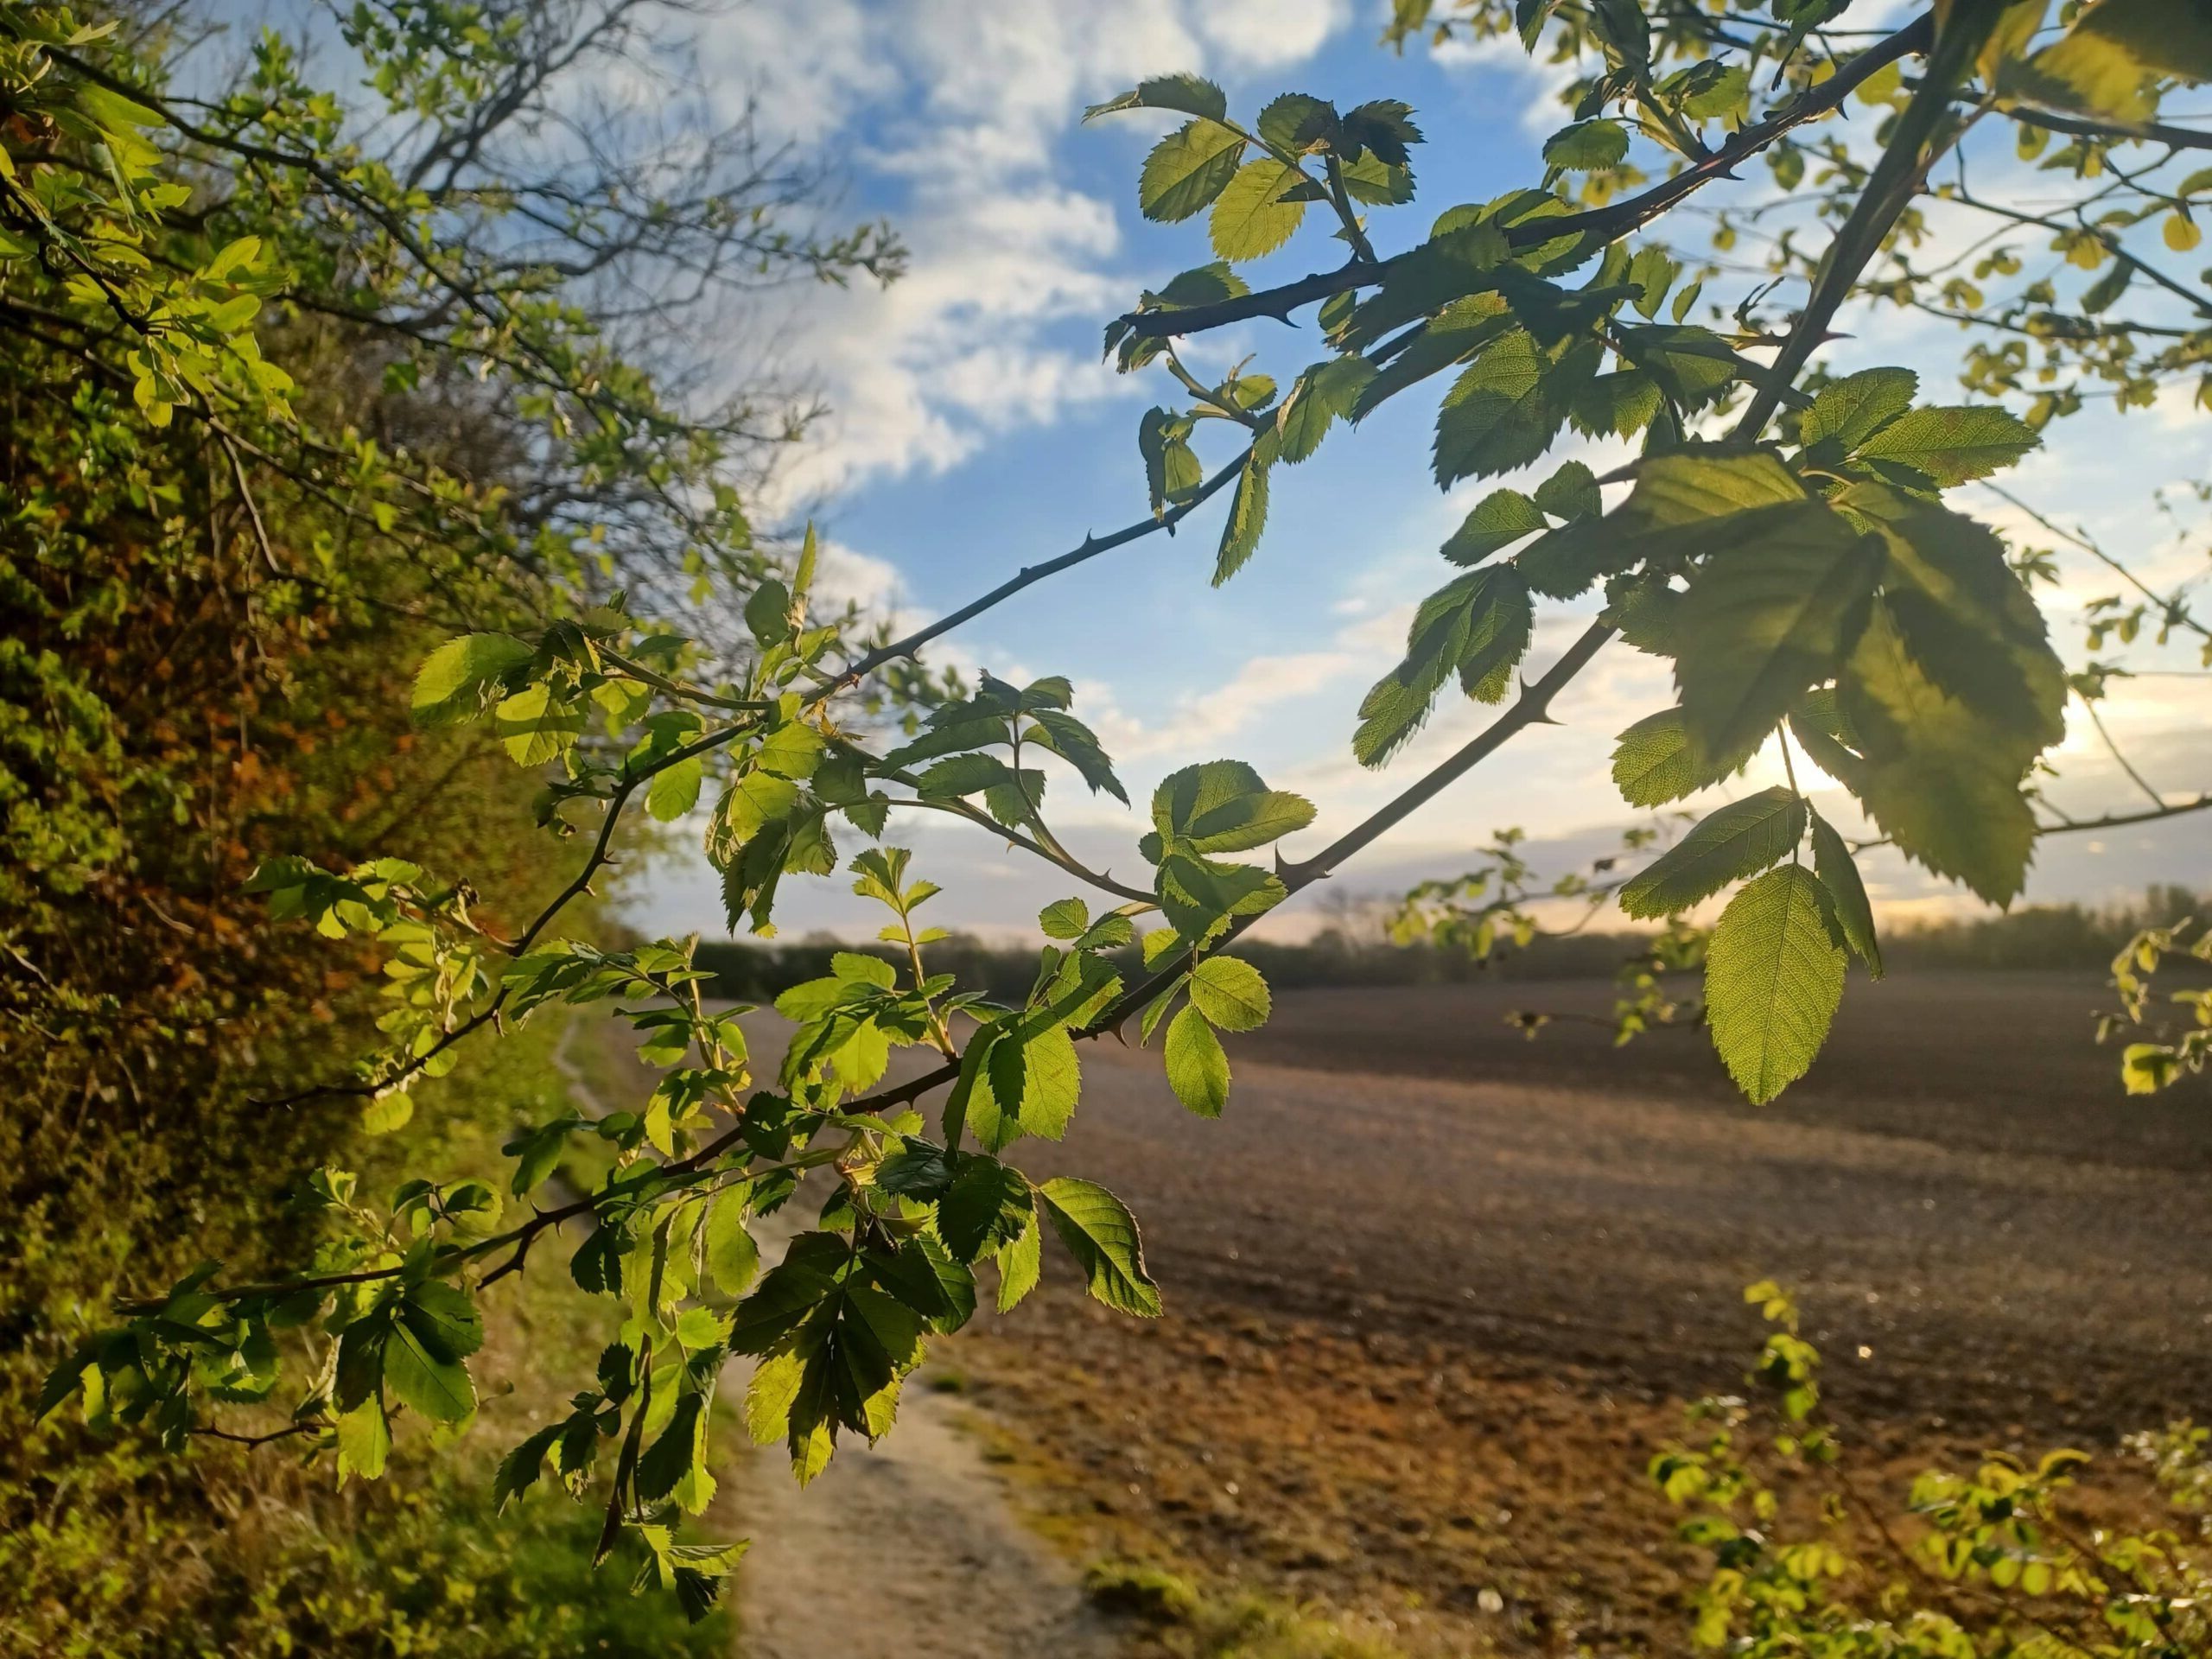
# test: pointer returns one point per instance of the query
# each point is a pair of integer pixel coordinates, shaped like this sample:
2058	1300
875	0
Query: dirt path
911	1550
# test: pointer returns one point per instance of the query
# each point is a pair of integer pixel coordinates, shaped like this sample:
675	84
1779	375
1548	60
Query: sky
974	430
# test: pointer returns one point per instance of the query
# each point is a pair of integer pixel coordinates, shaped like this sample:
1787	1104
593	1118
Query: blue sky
974	430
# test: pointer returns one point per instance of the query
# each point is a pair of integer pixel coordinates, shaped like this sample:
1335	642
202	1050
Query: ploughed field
1958	1187
1436	1292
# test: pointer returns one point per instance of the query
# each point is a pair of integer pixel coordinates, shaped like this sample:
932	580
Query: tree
1782	536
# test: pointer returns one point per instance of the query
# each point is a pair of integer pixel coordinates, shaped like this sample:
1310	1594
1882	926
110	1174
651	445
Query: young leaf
1742	837
1325	393
1247	515
1188	169
1197	1070
1230	992
450	683
1498	415
1839	873
1953	446
1251	215
1652	763
1186	94
1102	1235
1498	520
1772	980
1847	412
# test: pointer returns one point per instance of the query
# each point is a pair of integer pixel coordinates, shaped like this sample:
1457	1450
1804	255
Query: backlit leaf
1773	977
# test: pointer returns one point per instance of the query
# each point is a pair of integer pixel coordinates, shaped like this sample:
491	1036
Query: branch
1608	223
1889	189
2150	132
1029	576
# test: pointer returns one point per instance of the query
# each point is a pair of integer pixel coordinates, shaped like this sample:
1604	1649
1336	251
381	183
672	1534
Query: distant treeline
2034	936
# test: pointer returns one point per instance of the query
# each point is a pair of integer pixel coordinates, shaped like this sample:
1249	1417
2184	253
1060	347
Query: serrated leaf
732	1259
1064	919
423	1380
1953	446
1020	1264
1251	216
674	790
1324	394
1741	838
1847	903
1652	763
1247	515
1773	978
1197	1070
1768	620
1188	169
1230	992
1186	94
1478	626
1101	1234
449	685
987	1207
1498	520
536	727
1847	412
1587	147
1499	414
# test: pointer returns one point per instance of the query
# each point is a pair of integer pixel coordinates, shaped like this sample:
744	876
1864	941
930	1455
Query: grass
1191	1623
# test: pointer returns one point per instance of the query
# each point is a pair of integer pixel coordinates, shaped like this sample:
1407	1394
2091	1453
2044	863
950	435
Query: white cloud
1270	34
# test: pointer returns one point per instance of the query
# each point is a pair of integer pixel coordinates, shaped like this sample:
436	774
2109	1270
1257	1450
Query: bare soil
1436	1293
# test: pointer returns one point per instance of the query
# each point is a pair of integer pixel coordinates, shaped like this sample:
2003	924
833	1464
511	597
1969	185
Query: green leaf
1188	169
732	1259
1247	515
1197	1070
1571	492
1742	837
1498	520
1064	919
1230	992
986	1208
1952	693
674	790
1772	980
1202	285
1847	412
1224	806
1020	1264
364	1441
444	1317
1499	414
1587	147
1251	216
1186	94
767	613
1652	763
1953	446
1323	395
536	727
1478	626
449	685
1941	782
1297	122
1766	619
425	1381
1839	873
1102	1235
963	774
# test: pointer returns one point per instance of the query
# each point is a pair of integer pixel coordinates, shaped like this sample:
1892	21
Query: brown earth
1436	1293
